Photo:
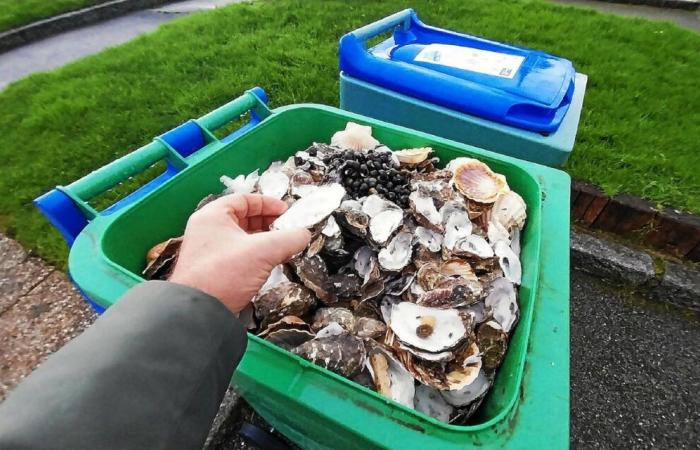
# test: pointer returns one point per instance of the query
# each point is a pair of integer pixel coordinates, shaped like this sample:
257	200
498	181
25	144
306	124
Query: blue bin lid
511	85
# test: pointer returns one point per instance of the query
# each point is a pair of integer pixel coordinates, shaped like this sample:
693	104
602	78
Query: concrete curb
673	283
54	25
674	232
688	5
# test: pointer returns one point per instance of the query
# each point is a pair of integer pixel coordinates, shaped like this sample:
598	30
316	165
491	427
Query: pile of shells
409	283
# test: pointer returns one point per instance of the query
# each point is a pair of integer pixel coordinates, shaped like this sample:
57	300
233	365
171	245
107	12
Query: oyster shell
476	181
285	323
368	328
502	301
367	266
515	241
429	401
397	254
289	338
427	356
468	393
493	342
302	184
428	239
331	229
274	182
313	273
354	137
412	156
509	262
430	329
242	184
311	209
473	246
343	354
424	210
457	227
509	210
247	317
161	259
465	370
351	217
496	232
342	316
285	299
332	329
383	225
276	277
390	377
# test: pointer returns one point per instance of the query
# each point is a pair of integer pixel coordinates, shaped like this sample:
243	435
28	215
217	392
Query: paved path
61	49
39	312
686	19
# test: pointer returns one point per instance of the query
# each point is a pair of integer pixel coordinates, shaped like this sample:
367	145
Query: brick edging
74	19
688	5
670	230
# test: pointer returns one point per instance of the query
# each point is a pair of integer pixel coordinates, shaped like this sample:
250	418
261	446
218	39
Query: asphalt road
634	371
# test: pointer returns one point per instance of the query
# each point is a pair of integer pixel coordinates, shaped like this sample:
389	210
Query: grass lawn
15	13
640	130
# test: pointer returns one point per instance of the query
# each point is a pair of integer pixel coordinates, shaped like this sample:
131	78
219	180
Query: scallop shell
354	137
413	155
477	181
509	210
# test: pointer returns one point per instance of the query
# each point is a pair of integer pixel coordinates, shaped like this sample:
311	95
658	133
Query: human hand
223	256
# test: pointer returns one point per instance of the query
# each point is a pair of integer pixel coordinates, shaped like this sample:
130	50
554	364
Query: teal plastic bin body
552	150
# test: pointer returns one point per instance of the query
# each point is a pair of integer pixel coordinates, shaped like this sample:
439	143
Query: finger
240	206
279	246
254	223
267	221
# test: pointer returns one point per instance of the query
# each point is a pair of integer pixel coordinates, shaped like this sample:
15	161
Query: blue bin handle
382	25
67	207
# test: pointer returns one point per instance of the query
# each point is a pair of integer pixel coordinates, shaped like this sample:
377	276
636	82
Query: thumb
280	245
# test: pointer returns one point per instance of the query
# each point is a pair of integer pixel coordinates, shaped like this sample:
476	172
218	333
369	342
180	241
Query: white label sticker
482	61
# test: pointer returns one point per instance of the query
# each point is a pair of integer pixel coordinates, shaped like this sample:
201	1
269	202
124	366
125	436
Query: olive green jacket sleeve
149	374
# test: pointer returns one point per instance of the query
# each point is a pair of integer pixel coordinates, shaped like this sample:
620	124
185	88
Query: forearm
150	373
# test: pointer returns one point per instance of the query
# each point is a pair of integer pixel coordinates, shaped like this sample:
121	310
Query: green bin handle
131	164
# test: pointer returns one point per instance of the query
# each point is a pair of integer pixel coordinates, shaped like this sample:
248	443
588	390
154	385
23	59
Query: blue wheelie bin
507	99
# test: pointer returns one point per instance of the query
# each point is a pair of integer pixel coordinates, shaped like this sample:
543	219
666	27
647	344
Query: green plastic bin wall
551	150
528	406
